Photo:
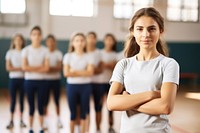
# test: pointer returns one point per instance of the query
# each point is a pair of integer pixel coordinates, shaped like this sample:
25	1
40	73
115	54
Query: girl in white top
77	69
149	77
53	76
109	59
35	64
16	75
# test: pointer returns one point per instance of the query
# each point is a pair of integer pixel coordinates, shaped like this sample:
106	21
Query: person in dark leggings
16	75
53	77
35	63
78	68
97	88
109	59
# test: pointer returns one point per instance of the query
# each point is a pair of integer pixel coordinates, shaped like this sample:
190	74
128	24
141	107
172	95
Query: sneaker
31	131
41	131
22	124
59	124
10	126
111	130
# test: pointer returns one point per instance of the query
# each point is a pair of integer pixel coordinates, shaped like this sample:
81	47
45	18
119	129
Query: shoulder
25	49
67	55
168	61
58	51
8	54
123	63
9	51
44	48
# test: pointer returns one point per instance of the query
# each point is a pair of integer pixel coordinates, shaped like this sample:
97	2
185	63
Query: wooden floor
184	119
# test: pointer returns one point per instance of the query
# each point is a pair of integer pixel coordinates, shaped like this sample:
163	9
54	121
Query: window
182	10
126	8
13	6
83	8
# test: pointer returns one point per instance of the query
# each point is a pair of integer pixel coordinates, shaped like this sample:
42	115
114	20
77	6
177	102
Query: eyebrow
151	26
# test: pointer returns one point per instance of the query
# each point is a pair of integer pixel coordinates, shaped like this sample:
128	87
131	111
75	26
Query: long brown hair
71	47
131	46
12	45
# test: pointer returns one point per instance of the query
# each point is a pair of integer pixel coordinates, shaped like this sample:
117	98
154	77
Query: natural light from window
82	8
125	9
182	10
12	6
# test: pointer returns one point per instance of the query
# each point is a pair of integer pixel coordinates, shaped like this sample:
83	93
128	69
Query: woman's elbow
167	109
110	105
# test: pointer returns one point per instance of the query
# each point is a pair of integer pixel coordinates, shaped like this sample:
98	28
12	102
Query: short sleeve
46	52
66	59
24	53
60	55
118	72
171	72
90	59
8	55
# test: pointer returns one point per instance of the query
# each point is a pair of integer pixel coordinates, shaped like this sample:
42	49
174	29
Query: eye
152	29
139	29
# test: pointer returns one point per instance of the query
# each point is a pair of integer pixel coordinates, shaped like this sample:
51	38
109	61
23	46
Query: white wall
62	27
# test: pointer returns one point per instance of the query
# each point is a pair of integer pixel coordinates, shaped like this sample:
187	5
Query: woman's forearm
126	102
55	69
9	69
82	73
162	105
155	107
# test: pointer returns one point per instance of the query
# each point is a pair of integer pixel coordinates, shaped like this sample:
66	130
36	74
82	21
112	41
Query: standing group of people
35	70
143	85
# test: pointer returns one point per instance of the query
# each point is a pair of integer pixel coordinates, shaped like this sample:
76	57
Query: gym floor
184	119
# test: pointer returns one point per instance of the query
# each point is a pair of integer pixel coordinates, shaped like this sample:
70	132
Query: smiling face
146	32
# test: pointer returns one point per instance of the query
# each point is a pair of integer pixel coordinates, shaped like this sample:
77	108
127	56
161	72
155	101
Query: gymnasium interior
62	18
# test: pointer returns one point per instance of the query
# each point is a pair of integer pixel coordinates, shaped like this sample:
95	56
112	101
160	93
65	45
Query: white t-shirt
35	57
14	56
54	58
77	62
106	57
96	57
140	76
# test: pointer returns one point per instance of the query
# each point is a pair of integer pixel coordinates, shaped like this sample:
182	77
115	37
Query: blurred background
64	17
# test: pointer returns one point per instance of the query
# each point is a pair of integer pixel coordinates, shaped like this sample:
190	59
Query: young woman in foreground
149	77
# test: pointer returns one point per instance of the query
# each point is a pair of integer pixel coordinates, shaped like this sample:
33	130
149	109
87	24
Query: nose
145	33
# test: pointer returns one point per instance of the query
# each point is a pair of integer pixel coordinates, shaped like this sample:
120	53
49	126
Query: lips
146	41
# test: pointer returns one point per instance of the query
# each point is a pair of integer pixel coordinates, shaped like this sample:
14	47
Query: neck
51	49
108	50
79	52
18	48
90	49
36	45
145	55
